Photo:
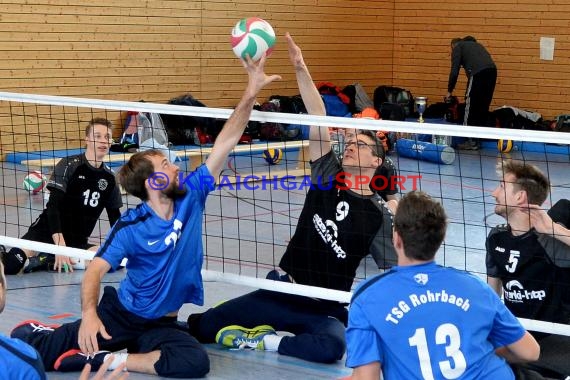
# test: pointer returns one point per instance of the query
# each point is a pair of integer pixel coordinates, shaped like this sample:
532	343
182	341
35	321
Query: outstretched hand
295	54
63	264
257	77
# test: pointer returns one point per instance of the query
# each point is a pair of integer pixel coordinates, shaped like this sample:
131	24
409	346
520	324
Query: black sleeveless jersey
87	191
336	229
535	274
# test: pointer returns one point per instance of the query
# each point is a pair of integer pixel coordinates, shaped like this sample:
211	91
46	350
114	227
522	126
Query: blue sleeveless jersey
430	322
164	256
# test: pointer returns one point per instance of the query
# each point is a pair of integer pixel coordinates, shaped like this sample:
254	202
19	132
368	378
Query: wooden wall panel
158	49
511	31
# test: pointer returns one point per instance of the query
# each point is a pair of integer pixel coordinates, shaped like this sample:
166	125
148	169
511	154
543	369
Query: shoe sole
65	355
26	322
246	331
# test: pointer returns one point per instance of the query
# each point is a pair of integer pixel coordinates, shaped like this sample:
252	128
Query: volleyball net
253	213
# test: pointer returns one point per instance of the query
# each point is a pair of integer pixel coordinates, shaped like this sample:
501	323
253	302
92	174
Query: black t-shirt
336	229
560	212
535	271
385	180
86	192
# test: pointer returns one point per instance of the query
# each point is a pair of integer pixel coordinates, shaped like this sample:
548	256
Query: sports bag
394	95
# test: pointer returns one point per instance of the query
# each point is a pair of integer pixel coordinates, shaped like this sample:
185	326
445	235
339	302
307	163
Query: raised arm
319	139
235	125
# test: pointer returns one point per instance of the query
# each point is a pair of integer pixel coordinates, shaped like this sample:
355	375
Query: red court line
61	316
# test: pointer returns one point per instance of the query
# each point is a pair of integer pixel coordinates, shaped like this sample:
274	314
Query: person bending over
481	74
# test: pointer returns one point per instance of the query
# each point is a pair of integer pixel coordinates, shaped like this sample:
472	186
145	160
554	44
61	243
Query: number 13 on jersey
446	335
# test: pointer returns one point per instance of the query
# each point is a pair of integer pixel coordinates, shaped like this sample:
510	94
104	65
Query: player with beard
528	259
162	240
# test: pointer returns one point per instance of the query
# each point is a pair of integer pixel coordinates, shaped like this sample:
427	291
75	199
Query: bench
197	155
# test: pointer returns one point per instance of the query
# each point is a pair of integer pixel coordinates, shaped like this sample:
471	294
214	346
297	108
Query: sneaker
27	328
80	264
13	260
41	262
75	360
239	337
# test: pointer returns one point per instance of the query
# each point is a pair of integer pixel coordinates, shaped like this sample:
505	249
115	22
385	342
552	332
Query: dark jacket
472	56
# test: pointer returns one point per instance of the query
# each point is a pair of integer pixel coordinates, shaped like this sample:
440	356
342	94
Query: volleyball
273	156
504	146
253	36
34	182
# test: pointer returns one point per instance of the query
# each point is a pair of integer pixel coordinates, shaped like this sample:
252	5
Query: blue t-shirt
430	322
19	361
164	256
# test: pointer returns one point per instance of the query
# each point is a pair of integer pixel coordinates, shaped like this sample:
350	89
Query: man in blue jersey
20	361
424	321
162	240
528	259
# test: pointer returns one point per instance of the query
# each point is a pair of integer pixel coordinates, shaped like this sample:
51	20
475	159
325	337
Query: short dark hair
421	222
528	178
98	120
133	175
378	147
454	41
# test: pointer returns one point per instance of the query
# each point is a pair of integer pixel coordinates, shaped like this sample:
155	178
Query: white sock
271	342
118	359
79	264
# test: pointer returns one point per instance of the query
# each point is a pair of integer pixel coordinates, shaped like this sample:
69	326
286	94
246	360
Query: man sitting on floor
81	186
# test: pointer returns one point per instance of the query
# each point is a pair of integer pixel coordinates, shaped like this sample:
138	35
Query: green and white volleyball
34	182
253	36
